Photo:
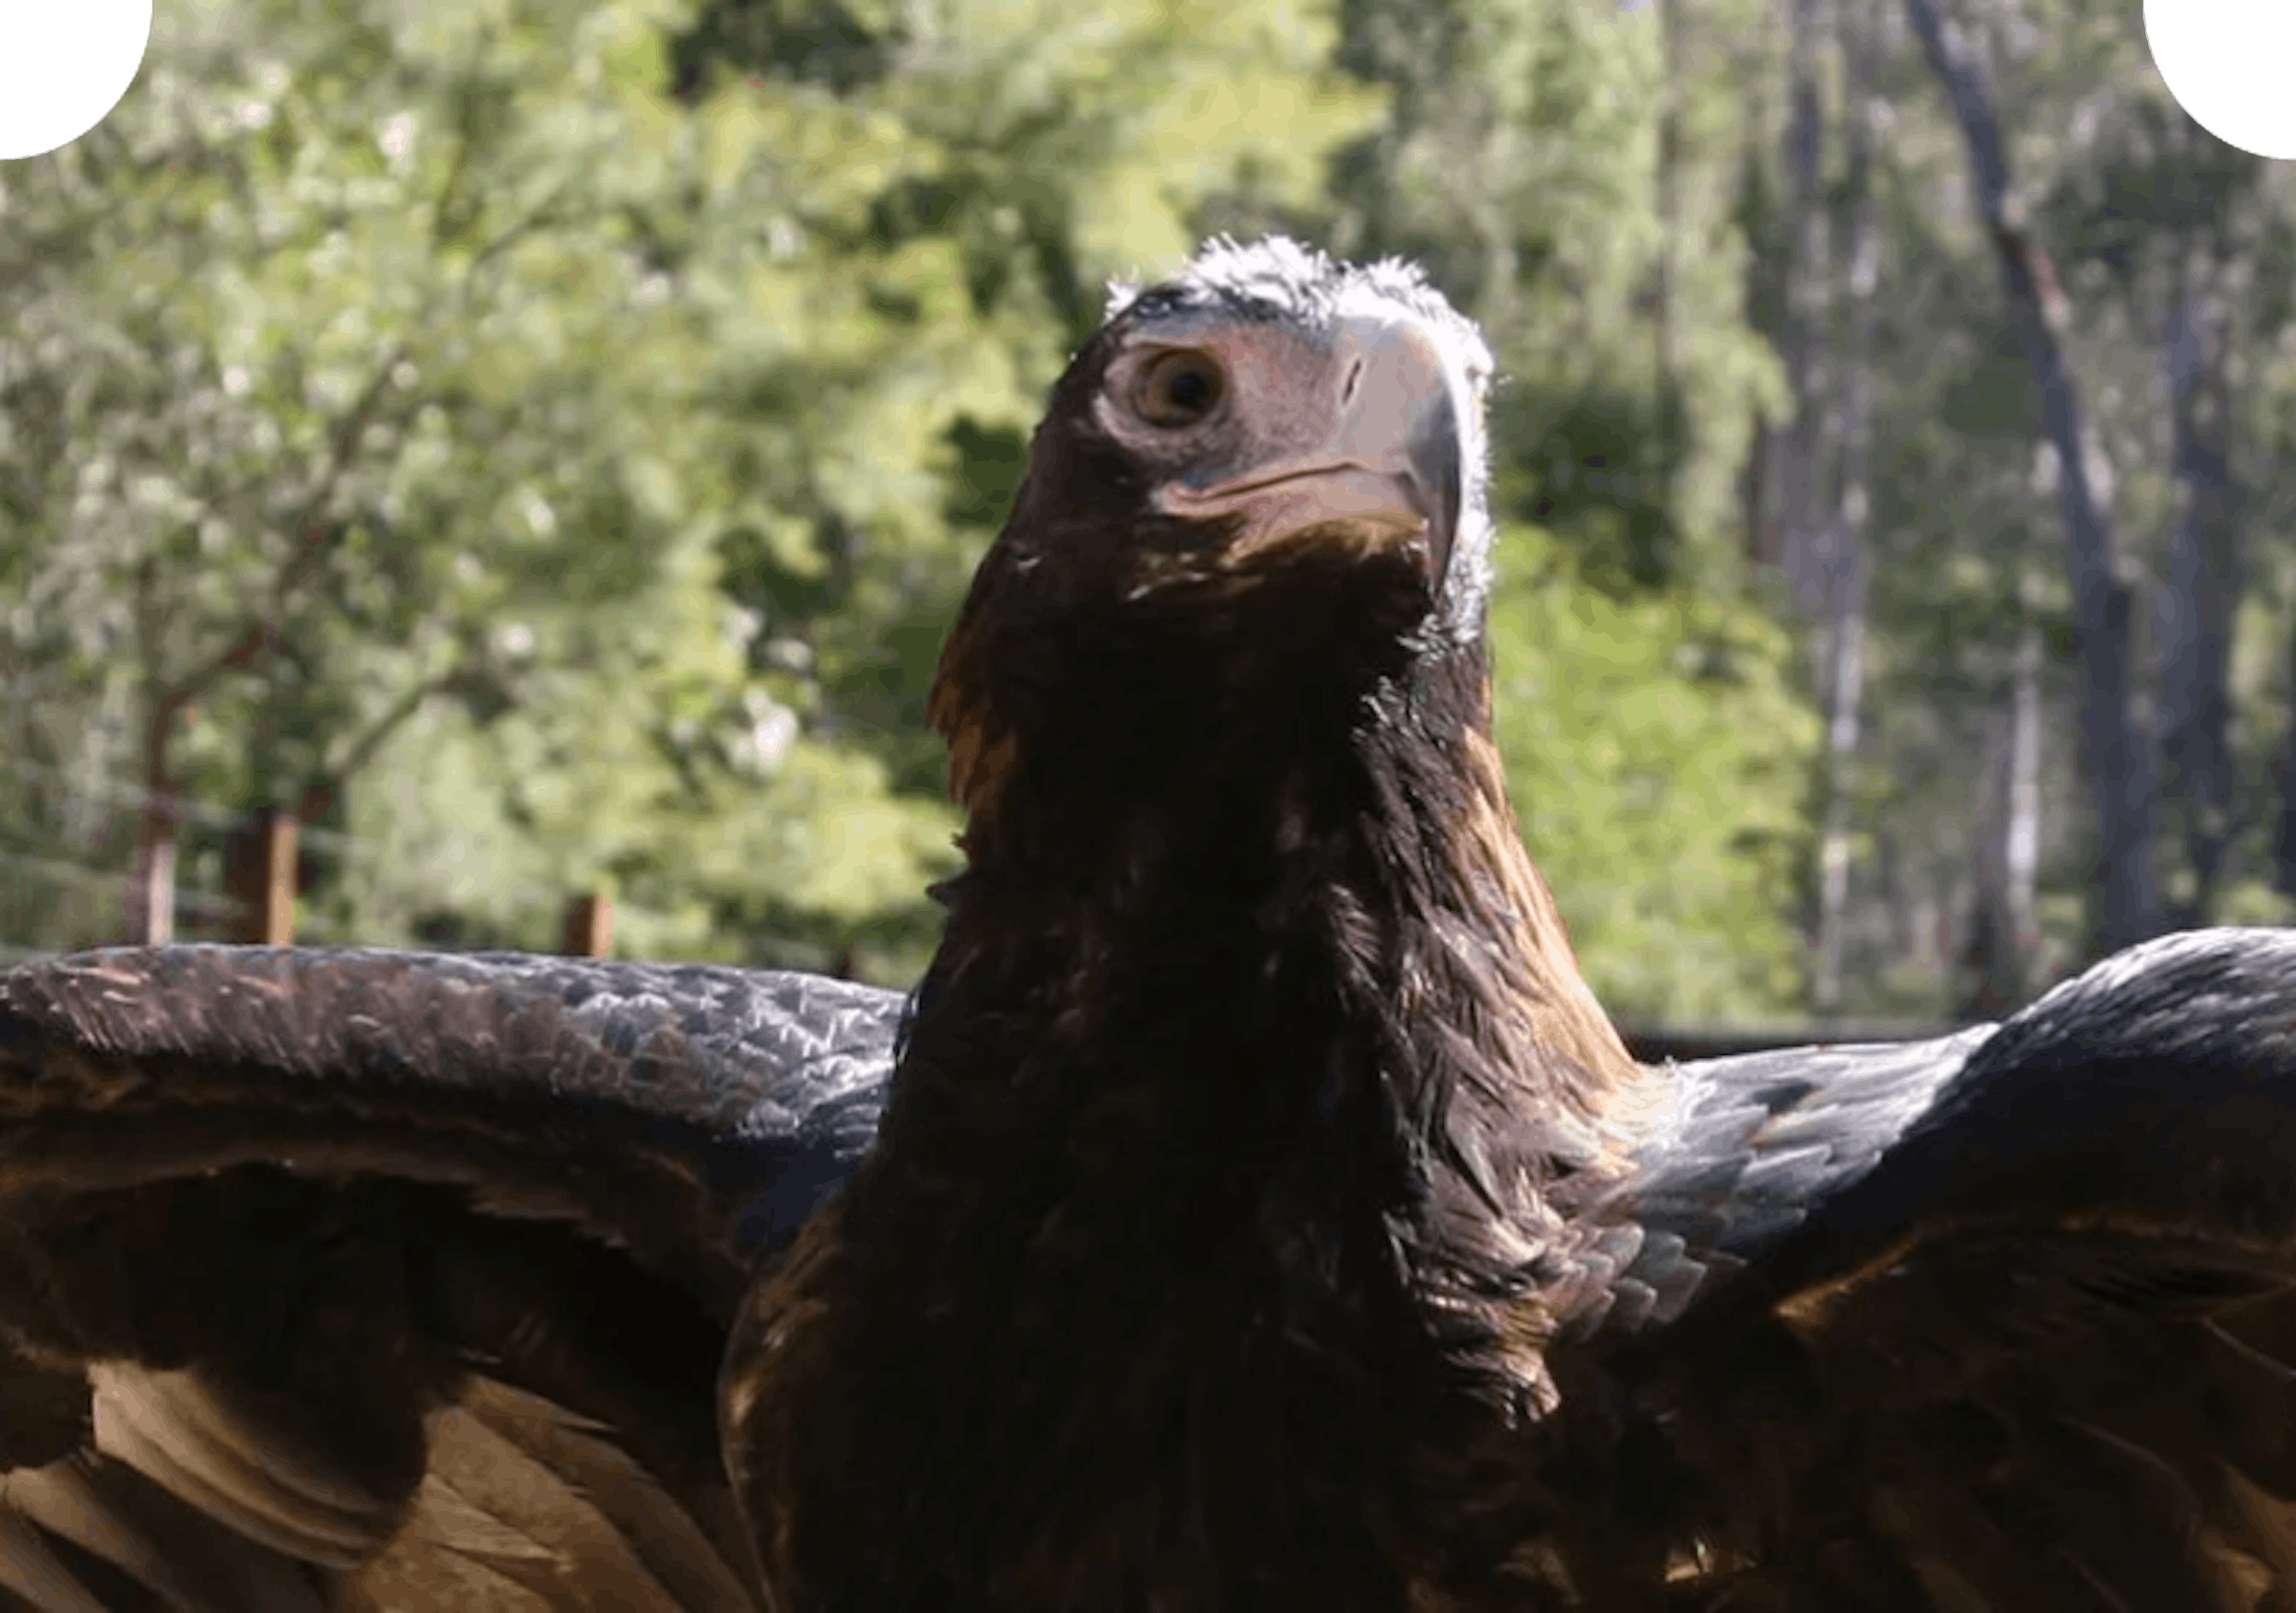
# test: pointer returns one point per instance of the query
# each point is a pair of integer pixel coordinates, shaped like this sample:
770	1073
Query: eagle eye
1178	389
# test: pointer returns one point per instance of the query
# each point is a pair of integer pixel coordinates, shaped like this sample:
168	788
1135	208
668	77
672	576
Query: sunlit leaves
566	472
1656	750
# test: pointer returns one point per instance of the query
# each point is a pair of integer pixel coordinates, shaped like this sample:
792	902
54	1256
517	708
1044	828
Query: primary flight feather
1263	1215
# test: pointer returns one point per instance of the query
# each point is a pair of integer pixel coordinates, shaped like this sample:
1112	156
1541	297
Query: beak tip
1434	452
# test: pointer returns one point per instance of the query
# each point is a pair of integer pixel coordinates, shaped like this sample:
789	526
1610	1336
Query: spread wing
1757	1142
410	1273
2005	1322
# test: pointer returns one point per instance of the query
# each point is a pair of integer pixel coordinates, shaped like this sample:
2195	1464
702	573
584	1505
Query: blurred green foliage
1659	736
541	442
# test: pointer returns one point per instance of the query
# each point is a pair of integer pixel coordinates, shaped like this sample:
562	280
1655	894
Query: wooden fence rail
260	880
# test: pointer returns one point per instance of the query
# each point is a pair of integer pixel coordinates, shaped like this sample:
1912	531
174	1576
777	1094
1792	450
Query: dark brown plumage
1238	1106
1264	1216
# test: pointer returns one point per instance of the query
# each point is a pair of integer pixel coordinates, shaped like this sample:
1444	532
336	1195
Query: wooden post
151	890
259	878
589	926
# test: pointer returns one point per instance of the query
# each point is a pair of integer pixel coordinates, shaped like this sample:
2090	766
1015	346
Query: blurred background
533	449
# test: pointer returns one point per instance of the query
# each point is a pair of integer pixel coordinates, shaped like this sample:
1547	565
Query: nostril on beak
1354	382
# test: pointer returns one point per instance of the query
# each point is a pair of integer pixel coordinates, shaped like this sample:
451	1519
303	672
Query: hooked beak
1389	454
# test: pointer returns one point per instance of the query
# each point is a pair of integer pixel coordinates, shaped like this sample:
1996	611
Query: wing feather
2011	1317
411	1271
176	1430
29	1568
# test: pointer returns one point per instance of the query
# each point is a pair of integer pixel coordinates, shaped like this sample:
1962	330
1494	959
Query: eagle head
1272	455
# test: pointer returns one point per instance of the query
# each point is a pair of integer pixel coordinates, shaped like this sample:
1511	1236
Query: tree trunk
2021	832
2116	755
2193	609
1667	370
2283	782
1850	568
1803	451
1996	962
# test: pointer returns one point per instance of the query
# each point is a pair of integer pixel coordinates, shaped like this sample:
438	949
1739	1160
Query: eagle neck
1297	987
